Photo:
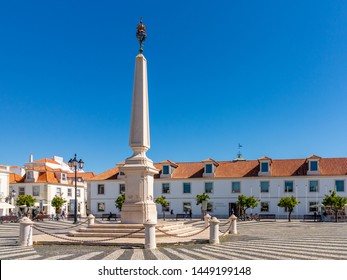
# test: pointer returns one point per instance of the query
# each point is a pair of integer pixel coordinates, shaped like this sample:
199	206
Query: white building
45	178
309	180
4	188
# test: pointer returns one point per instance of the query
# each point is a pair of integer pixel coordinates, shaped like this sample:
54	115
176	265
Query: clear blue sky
271	75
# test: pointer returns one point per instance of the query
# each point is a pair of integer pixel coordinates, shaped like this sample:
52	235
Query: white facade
45	178
266	185
4	187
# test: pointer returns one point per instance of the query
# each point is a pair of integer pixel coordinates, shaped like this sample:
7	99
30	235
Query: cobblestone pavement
278	240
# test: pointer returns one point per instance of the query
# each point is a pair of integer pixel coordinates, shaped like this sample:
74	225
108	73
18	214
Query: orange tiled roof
47	177
14	178
110	174
247	168
84	175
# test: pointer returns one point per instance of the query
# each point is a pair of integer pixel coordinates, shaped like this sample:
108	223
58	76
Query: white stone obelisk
139	206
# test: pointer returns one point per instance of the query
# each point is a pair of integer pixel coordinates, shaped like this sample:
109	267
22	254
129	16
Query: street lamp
74	164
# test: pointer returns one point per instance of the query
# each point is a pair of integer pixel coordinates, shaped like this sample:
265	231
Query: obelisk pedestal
139	206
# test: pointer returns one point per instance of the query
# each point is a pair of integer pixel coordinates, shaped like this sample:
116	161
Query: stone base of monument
170	229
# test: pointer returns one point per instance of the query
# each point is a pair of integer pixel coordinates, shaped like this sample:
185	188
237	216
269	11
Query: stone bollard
233	221
26	232
207	218
91	220
150	242
214	231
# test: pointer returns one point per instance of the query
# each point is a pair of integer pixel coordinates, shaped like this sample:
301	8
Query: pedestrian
190	213
315	216
109	216
63	214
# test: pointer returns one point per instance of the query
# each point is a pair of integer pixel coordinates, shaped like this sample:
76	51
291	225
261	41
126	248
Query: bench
266	217
41	217
313	217
109	216
180	216
10	219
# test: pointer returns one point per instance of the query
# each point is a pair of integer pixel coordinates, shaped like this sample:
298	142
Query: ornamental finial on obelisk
141	34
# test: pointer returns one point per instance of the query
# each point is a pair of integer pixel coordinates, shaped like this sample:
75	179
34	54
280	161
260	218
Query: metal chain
225	232
182	236
87	241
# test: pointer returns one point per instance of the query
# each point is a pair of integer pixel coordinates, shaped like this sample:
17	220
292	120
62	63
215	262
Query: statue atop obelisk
139	206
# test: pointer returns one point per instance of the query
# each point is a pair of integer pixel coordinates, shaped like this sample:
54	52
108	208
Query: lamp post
75	164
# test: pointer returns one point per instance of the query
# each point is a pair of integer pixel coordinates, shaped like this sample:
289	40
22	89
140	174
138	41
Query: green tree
25	200
163	202
335	202
288	203
120	201
244	203
202	199
58	202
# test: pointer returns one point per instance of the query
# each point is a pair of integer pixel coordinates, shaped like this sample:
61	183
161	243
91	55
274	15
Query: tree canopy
288	203
201	197
120	201
335	202
26	200
58	202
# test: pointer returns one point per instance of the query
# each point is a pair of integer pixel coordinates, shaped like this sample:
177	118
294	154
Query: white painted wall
222	195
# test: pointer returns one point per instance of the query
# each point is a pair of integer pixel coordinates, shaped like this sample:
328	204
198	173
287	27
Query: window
121	188
165	188
313	165
69	192
313	186
36	191
264	186
166	169
187	206
288	186
78	193
30	175
313	206
235	187
208	168
21	191
58	191
264	167
101	189
101	207
264	207
186	188
63	176
208	187
340	185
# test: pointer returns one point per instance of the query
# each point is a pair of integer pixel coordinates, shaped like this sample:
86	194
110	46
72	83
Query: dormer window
63	176
168	168
210	167
265	166
313	165
30	175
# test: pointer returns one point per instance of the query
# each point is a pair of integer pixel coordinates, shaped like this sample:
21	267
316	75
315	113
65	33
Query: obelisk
139	206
